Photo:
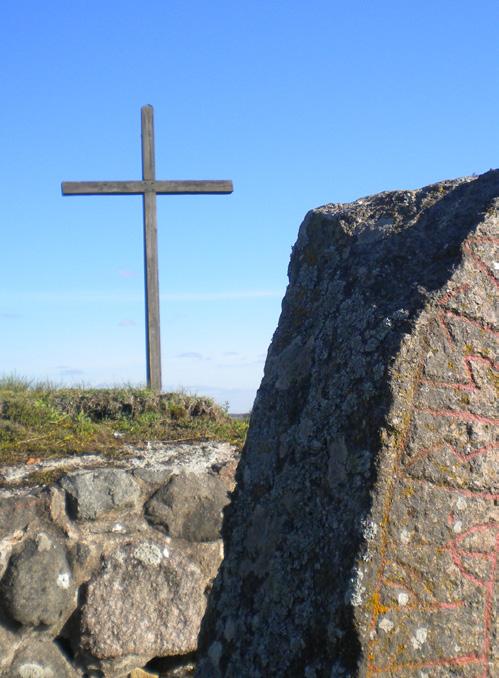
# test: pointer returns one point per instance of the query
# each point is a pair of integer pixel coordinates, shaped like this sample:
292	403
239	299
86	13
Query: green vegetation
43	420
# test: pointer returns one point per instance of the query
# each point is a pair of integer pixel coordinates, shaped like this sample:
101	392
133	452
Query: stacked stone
108	568
363	534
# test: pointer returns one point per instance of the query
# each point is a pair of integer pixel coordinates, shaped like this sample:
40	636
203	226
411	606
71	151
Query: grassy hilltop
42	420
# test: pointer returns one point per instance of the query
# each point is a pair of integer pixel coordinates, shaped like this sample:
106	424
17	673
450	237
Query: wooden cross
149	187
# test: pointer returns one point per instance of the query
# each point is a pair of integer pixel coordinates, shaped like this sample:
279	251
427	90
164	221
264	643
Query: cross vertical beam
151	273
149	187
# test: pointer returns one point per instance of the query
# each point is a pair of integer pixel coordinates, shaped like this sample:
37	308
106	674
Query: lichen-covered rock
146	601
94	493
190	507
362	536
79	530
38	588
40	659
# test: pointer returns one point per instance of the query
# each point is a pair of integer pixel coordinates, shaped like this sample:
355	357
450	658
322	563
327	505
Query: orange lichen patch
377	606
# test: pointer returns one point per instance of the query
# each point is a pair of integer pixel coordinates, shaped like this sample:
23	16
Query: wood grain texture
132	187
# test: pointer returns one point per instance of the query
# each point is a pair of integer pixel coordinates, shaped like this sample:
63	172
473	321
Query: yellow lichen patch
377	606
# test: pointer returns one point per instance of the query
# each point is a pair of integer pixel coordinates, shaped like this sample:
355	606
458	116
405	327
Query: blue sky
300	104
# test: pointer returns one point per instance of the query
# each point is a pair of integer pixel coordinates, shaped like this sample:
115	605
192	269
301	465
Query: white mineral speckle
118	527
357	589
458	527
370	529
405	537
419	638
44	542
149	554
386	625
403	598
496	265
63	580
166	553
30	669
461	503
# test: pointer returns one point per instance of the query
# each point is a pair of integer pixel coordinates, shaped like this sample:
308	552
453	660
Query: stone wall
108	567
362	536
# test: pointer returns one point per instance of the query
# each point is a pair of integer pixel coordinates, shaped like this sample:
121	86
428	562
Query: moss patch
43	420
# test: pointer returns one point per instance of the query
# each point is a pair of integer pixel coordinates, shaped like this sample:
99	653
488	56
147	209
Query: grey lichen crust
361	537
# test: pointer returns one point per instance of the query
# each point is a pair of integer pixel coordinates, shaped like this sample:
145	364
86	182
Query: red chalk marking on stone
456	546
463	415
461	456
463	660
478	260
464	492
487	584
471	384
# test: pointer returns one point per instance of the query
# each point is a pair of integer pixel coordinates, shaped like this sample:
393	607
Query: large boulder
41	659
189	506
146	601
362	536
37	588
92	494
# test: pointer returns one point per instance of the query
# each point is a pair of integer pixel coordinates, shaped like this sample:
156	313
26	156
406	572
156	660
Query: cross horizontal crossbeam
140	187
149	187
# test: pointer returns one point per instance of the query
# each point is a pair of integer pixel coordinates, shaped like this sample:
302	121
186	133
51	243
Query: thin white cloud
192	355
127	322
127	273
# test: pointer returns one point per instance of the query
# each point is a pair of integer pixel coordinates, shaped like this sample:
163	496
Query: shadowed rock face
361	537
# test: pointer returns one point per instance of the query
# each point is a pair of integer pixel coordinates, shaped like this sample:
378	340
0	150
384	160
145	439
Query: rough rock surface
189	507
40	660
37	588
90	494
160	614
362	536
88	586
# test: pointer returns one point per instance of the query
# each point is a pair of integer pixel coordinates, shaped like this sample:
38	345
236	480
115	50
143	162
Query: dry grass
43	420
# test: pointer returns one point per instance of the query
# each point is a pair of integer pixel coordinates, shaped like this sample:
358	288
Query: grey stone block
38	588
41	659
190	507
147	600
94	493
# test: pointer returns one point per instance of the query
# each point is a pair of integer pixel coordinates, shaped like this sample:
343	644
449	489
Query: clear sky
299	103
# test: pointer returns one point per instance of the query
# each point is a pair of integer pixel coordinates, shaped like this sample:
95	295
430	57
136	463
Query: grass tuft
40	419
